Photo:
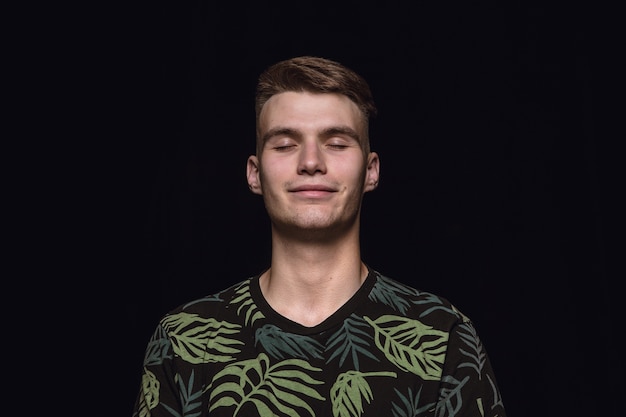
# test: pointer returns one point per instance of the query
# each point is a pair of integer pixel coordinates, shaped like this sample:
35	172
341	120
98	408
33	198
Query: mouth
318	187
312	191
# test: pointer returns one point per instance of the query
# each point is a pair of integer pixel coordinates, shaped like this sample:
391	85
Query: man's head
315	75
313	161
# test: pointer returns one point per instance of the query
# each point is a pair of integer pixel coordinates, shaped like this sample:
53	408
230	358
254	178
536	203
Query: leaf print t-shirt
391	350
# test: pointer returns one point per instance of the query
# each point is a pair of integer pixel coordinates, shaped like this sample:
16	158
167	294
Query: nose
311	158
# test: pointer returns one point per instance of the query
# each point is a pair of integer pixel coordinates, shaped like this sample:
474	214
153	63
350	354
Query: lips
314	191
312	188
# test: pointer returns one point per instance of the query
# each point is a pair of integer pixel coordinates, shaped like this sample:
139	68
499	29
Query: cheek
272	176
353	172
270	171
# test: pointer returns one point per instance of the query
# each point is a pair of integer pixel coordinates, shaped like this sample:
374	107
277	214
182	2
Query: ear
372	174
252	174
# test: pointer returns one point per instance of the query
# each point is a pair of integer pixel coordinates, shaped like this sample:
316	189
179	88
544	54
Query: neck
307	282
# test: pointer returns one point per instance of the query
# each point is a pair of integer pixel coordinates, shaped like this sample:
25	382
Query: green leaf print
391	293
349	391
475	350
496	393
190	400
268	387
244	299
201	340
450	399
348	340
411	345
437	304
409	405
277	342
158	349
149	394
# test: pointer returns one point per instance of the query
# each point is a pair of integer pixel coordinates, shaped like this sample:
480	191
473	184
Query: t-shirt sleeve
468	386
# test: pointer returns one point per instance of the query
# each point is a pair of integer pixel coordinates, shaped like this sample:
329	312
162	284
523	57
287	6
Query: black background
499	170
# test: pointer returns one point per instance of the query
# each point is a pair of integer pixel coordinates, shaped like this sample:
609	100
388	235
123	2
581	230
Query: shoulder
427	307
212	306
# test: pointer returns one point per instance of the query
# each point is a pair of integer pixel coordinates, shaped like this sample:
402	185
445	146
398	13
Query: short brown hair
315	75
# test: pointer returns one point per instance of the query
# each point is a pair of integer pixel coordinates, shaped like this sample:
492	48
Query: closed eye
337	145
283	147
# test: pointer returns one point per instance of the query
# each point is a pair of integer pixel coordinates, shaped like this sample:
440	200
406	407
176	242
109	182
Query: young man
319	333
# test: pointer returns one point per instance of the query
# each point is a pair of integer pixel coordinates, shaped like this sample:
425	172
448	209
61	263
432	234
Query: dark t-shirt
391	350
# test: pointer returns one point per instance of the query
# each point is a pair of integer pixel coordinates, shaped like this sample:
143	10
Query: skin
312	171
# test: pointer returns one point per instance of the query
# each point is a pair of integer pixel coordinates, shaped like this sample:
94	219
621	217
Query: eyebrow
279	131
329	131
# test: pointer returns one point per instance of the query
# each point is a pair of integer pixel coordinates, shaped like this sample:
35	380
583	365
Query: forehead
309	110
